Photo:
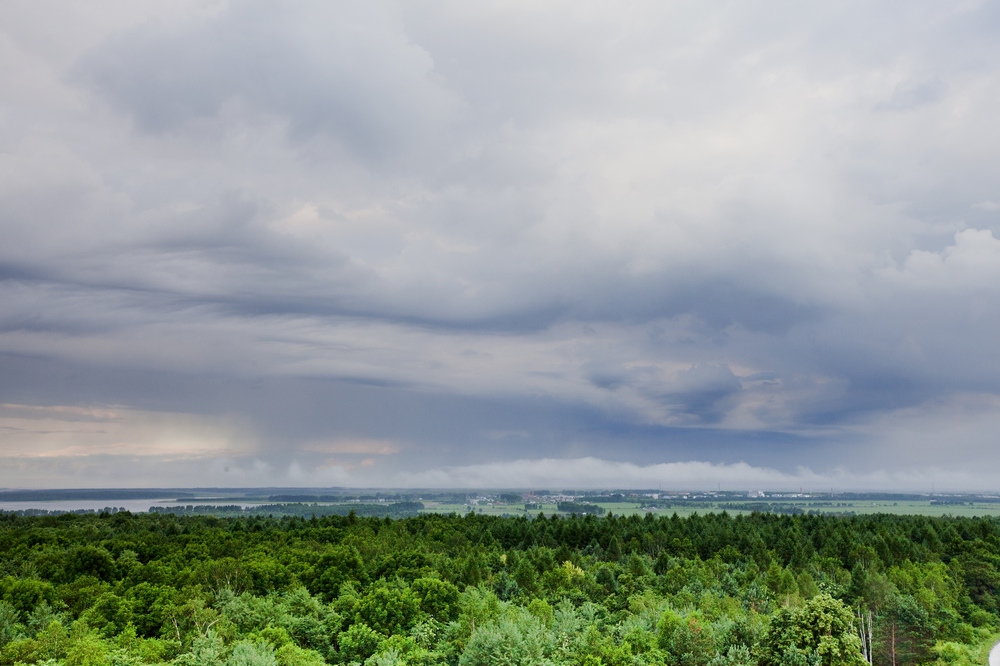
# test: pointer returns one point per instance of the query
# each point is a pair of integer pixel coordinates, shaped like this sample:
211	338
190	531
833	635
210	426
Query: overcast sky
663	244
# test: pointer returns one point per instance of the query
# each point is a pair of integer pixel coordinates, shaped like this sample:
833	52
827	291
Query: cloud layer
427	240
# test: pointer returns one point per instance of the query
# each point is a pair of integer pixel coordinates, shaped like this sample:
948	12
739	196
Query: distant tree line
580	508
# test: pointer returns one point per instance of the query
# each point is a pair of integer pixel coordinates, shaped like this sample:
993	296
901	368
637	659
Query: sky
441	244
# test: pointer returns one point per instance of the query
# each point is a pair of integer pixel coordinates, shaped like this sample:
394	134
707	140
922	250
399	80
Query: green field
902	507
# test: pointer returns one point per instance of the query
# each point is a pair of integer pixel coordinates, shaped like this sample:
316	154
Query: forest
469	590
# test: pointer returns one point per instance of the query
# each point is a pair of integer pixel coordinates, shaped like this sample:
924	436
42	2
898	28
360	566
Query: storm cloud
394	244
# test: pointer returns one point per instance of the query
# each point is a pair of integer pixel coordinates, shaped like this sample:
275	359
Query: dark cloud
431	428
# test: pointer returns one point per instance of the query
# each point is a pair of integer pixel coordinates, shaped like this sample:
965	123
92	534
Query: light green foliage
404	650
388	658
820	631
437	598
208	650
294	616
276	637
247	653
974	652
152	607
358	643
88	649
688	639
425	634
249	612
292	655
109	614
641	642
477	608
388	609
10	628
50	643
807	586
132	649
513	640
42	616
737	655
637	576
541	610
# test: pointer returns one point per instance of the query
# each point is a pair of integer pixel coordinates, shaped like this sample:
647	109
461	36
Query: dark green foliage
581	508
89	561
25	594
906	634
339	566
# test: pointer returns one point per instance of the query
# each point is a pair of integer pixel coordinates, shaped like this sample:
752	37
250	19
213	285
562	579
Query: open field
902	507
618	508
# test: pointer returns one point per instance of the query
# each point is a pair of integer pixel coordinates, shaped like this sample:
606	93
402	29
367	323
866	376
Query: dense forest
796	590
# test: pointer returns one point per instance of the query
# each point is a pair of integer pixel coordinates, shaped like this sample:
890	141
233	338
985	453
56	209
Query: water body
133	505
995	655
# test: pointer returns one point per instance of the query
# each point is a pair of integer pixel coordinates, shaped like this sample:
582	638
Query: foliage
820	631
201	590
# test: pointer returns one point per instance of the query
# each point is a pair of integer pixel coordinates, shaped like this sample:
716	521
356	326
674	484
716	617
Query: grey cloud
433	428
912	95
703	390
347	71
669	231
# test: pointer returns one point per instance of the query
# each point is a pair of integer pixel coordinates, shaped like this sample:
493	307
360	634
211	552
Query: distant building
755	493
